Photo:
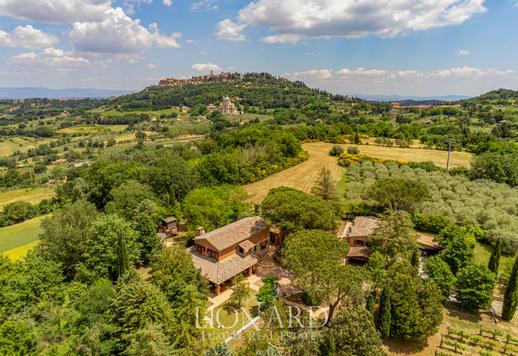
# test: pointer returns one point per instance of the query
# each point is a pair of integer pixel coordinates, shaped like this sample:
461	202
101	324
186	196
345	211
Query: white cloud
50	58
151	66
292	20
231	31
204	5
205	67
168	2
118	33
322	74
375	74
283	38
457	80
464	52
27	37
56	11
463	72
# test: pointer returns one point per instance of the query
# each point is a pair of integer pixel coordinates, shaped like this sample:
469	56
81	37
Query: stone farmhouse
357	235
233	249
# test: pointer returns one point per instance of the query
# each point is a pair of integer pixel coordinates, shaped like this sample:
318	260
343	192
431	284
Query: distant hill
69	93
496	96
402	98
261	90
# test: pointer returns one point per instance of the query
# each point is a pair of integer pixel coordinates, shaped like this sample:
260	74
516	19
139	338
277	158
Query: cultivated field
303	176
30	195
18	235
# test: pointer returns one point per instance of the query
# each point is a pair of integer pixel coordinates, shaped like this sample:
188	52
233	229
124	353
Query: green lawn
18	235
31	195
482	253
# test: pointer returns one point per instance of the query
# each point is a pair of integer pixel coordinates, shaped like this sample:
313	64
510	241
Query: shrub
353	150
336	150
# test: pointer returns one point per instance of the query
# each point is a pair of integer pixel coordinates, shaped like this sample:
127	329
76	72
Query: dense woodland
100	282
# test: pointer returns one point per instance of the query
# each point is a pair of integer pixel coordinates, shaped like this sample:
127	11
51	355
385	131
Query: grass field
20	252
303	176
22	144
93	129
30	195
18	235
482	253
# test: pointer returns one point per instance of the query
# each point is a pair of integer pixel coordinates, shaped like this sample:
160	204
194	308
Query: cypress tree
384	314
371	301
511	294
494	260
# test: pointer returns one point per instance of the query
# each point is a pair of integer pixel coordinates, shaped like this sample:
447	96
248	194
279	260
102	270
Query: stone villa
233	249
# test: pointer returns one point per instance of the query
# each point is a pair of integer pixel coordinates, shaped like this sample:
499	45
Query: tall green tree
395	235
384	314
325	186
458	246
64	235
353	333
214	207
475	284
112	248
440	273
316	258
295	210
240	292
398	193
494	259
126	199
415	303
511	294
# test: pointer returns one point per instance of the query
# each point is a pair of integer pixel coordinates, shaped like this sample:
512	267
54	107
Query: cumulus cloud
168	2
205	67
463	52
27	37
231	31
50	58
56	11
470	72
118	33
457	80
376	74
292	20
314	73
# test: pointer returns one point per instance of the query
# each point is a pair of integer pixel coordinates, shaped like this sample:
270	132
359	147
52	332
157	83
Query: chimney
200	231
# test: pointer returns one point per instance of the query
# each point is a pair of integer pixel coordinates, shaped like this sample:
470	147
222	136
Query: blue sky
407	47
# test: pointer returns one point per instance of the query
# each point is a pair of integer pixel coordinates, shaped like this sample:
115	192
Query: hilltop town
200	79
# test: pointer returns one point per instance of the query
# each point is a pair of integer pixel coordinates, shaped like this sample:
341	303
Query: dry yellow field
303	176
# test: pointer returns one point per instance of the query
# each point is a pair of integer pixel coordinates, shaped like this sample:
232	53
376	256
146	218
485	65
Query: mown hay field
18	235
303	176
30	195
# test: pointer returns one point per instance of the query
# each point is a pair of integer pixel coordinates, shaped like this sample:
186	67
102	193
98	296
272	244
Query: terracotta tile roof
220	271
246	245
169	219
361	252
427	241
363	226
232	234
